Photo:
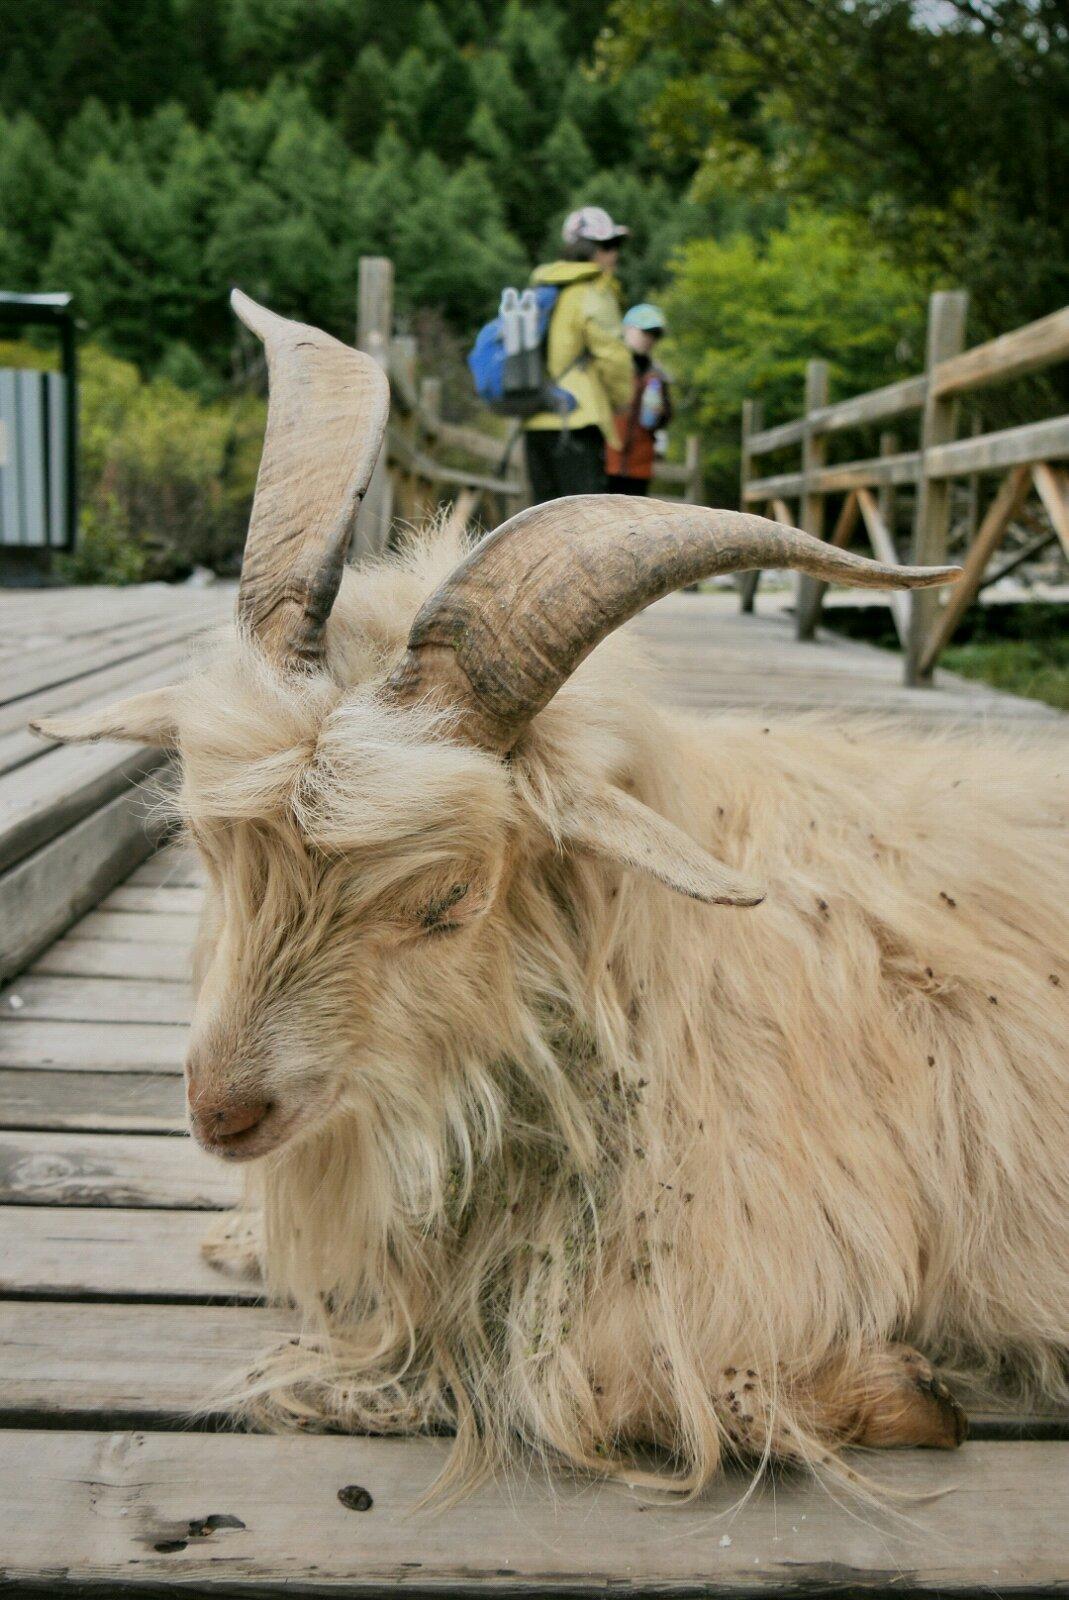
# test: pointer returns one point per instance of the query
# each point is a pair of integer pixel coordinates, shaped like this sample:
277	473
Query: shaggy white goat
548	1152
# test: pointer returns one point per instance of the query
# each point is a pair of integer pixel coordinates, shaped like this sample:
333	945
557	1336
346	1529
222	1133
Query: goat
546	1153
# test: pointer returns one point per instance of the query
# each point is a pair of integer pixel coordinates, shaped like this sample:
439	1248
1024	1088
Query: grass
1023	649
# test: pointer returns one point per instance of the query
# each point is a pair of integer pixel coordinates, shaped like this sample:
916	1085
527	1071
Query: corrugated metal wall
33	459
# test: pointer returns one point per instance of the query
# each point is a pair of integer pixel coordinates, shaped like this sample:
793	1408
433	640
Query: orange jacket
635	458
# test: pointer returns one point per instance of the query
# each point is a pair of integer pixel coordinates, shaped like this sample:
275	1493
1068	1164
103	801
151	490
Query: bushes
166	476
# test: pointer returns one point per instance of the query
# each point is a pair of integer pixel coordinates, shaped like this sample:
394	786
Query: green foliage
746	316
941	129
273	142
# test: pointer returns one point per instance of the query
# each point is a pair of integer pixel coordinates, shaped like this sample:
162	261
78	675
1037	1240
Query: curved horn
514	620
325	421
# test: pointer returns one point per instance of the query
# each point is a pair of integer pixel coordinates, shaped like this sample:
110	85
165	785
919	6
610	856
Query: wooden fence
866	491
485	477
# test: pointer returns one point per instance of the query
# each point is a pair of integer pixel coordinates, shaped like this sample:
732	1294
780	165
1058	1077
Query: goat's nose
220	1120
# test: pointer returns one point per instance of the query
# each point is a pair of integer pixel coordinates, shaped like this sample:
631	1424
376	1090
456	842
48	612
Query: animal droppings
200	1527
948	898
167	1547
931	1061
1053	977
992	999
355	1498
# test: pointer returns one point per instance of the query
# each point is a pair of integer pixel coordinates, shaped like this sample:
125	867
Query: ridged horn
513	621
325	421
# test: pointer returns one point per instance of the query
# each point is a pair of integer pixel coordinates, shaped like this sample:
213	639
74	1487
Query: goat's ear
611	824
142	719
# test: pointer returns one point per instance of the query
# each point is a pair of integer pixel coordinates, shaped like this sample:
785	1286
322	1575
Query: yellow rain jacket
585	353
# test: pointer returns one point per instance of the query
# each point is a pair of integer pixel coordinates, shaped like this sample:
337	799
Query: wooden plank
811	603
1052	486
900	469
114	958
50	889
991	452
69	1252
811	511
152	897
123	1102
175	866
106	1169
152	1362
95	1000
93	1046
106	646
1012	355
931	523
778	438
101	1505
783	486
152	927
894	400
989	535
43	798
884	546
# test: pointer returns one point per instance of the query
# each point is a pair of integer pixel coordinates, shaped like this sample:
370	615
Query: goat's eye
435	917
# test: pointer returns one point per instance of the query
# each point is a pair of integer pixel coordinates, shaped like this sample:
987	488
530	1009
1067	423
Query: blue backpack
508	360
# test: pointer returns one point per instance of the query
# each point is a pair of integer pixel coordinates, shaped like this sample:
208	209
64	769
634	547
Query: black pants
565	461
618	484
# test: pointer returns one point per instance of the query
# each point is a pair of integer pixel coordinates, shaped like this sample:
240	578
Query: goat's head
361	836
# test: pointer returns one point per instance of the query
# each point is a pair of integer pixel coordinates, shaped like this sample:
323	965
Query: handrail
951	371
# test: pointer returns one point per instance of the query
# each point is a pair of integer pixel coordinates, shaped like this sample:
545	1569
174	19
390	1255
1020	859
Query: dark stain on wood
355	1498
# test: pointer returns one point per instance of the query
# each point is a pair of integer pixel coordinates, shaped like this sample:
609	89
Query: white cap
593	223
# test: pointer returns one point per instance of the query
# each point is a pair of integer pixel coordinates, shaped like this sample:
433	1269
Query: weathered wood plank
103	1169
93	1046
95	1000
894	400
114	958
175	866
173	900
123	1102
72	1252
48	890
152	927
1011	355
100	1505
155	1362
42	798
990	452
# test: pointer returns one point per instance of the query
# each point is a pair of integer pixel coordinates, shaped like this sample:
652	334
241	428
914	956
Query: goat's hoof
912	1406
233	1243
952	1425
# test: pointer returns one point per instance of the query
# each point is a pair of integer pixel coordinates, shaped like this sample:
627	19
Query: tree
745	317
942	129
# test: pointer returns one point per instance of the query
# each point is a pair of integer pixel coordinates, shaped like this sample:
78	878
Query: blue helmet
649	318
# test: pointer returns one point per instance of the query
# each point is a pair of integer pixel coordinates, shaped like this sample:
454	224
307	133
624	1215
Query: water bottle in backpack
508	360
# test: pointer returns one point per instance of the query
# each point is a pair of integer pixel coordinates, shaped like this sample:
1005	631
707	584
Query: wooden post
885	493
374	324
946	338
751	423
430	404
694	488
809	594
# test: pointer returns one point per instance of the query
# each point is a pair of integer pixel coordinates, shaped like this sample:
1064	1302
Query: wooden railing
411	482
864	491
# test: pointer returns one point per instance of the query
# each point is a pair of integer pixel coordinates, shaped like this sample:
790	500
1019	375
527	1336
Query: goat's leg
233	1243
888	1396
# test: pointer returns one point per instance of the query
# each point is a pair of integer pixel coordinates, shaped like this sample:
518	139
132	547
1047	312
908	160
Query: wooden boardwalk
112	1328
